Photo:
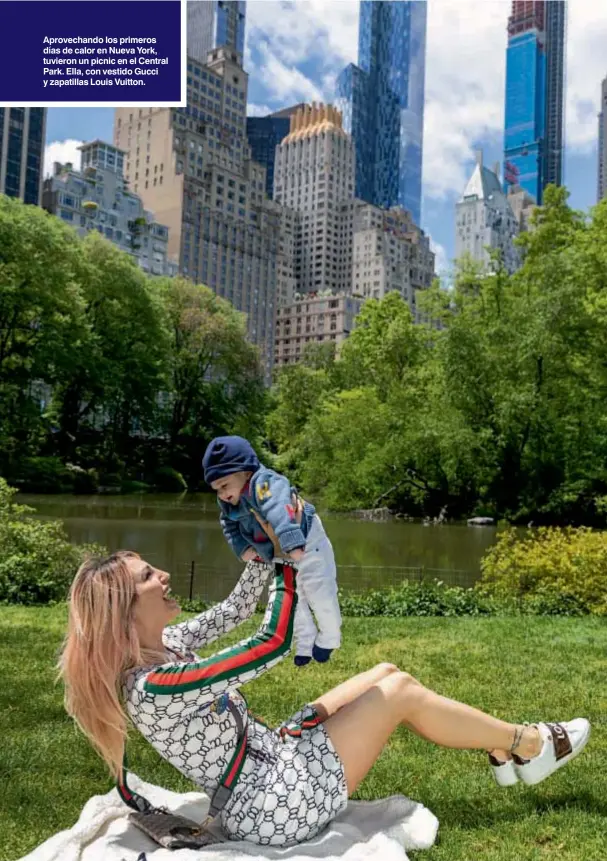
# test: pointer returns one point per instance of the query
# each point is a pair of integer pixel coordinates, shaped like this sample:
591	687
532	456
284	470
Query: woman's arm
237	664
218	620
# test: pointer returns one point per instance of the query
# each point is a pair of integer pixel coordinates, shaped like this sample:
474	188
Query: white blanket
366	829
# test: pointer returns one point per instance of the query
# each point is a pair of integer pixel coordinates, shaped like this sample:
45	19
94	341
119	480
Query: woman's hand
249	555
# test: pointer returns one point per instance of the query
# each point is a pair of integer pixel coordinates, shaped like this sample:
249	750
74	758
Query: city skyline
294	53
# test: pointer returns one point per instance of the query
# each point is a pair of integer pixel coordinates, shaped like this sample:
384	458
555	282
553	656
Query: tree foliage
500	409
105	368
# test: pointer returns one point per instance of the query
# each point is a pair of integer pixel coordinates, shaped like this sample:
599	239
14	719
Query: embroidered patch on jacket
263	491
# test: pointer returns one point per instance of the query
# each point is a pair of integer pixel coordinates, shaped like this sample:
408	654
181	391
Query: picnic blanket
383	829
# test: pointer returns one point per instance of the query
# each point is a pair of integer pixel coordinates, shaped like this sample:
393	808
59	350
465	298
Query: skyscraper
264	134
535	63
382	102
602	183
22	134
314	176
484	219
192	167
215	24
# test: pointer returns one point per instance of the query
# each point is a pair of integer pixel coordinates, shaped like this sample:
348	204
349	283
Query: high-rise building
193	168
264	134
602	178
522	205
484	219
319	318
314	176
382	102
390	253
534	115
22	135
215	24
97	198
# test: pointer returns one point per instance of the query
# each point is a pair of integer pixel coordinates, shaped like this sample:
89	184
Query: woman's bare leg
338	697
360	729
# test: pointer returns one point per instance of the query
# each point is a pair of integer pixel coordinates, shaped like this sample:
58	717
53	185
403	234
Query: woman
272	787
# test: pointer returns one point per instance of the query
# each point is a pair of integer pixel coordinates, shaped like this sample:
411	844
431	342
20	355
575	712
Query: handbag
172	831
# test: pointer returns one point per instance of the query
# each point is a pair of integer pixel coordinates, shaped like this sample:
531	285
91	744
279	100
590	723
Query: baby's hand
297	555
249	555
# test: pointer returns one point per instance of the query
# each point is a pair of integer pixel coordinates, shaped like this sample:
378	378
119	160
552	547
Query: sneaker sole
559	764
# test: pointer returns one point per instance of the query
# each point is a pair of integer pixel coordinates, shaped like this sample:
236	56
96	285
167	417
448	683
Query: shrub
168	480
44	475
37	562
85	481
132	486
554	570
428	598
111	480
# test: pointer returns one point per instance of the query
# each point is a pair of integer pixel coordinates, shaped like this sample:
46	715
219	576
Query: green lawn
523	669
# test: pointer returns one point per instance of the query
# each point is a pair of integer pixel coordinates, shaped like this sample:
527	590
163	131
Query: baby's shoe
301	660
321	655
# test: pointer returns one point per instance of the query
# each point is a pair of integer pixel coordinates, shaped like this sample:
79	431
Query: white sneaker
562	743
504	772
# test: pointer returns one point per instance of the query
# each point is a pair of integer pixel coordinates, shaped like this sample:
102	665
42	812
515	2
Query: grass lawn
525	669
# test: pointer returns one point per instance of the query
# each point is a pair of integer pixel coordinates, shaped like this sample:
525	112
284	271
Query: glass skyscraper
215	24
382	102
264	134
535	62
22	135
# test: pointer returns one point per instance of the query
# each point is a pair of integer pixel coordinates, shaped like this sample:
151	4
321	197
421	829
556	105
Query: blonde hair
100	645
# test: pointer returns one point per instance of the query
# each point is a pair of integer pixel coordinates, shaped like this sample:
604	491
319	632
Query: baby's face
230	487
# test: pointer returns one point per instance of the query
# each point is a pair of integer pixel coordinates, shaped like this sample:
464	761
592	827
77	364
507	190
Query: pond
181	533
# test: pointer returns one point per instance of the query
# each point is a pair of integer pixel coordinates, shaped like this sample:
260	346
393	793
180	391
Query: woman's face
154	606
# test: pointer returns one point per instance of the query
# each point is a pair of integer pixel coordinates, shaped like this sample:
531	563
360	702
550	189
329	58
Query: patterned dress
289	783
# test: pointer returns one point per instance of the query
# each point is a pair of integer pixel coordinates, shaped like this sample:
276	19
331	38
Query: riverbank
523	669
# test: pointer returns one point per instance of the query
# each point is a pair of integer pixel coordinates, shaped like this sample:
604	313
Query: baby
252	498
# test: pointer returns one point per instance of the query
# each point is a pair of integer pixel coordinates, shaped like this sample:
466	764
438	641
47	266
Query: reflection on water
175	531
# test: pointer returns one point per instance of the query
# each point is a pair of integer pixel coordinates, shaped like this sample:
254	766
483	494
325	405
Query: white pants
317	618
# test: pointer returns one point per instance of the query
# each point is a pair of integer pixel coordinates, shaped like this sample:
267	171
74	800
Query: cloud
287	40
586	67
284	83
326	29
258	110
61	151
441	265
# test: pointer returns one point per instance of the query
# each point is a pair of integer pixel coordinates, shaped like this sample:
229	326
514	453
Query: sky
295	50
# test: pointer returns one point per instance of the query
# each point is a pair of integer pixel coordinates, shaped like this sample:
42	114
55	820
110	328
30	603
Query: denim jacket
272	496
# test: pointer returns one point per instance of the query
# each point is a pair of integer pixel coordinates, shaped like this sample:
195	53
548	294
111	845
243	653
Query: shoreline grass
516	668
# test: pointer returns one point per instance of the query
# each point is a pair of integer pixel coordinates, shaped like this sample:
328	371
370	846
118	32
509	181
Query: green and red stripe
250	655
294	729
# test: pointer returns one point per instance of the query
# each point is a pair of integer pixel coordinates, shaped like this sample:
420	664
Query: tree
114	382
41	320
214	377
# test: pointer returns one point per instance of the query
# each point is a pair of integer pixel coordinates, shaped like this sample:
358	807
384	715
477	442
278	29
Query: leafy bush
132	486
85	481
37	562
428	598
44	475
168	480
110	479
555	571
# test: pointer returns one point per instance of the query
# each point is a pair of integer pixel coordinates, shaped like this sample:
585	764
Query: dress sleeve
224	617
237	664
